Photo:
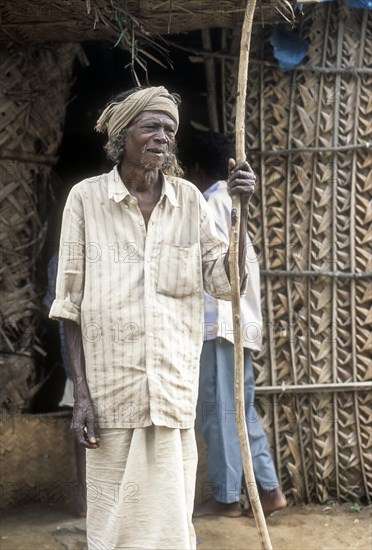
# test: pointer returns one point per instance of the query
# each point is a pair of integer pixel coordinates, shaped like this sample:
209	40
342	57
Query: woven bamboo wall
37	459
35	88
311	223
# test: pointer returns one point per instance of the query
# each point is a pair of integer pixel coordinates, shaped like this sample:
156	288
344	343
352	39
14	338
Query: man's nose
161	135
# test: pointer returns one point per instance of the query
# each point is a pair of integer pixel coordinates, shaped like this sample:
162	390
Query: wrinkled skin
83	419
241	181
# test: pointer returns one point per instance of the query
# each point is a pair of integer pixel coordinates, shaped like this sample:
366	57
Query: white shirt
137	294
218	313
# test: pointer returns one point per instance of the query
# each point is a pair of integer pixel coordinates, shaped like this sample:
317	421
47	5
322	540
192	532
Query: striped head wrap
118	115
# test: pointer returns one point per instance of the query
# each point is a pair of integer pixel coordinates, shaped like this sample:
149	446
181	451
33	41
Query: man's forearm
84	418
74	345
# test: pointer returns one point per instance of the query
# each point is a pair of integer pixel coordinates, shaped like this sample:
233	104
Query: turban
118	115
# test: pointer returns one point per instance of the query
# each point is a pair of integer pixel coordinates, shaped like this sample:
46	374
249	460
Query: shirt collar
117	191
168	190
116	188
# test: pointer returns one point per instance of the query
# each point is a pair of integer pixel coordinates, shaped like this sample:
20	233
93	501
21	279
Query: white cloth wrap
140	489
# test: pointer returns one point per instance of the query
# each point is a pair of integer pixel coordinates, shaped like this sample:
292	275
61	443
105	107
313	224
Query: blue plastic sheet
289	48
361	4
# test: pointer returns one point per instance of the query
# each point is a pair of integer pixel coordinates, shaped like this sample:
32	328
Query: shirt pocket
179	271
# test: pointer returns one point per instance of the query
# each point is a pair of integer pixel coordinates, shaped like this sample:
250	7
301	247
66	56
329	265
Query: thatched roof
35	21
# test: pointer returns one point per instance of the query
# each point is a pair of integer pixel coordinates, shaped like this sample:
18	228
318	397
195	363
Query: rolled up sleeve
71	263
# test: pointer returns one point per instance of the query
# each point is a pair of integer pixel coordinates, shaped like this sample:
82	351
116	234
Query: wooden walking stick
235	284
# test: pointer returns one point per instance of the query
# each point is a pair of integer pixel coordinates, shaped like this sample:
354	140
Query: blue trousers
216	420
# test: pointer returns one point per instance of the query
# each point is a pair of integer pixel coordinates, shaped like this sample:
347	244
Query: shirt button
141	223
151	334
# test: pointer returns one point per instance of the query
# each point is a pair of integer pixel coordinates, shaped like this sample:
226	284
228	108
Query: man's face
151	138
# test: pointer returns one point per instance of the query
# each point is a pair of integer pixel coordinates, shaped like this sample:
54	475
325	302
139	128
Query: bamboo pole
210	78
312	274
23	156
329	387
235	284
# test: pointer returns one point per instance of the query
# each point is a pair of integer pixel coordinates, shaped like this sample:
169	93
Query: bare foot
212	507
271	501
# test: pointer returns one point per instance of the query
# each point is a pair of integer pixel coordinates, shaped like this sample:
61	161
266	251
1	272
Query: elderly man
138	245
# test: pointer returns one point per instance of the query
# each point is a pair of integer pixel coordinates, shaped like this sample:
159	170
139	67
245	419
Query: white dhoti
140	489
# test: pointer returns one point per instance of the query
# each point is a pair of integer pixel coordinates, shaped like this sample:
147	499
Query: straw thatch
35	91
35	21
311	222
139	27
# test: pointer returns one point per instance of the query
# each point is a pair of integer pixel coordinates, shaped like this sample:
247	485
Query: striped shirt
137	294
218	314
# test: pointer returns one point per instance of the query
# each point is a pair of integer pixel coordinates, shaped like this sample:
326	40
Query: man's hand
83	417
241	180
84	423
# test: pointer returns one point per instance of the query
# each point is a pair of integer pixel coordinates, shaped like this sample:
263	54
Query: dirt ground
329	527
